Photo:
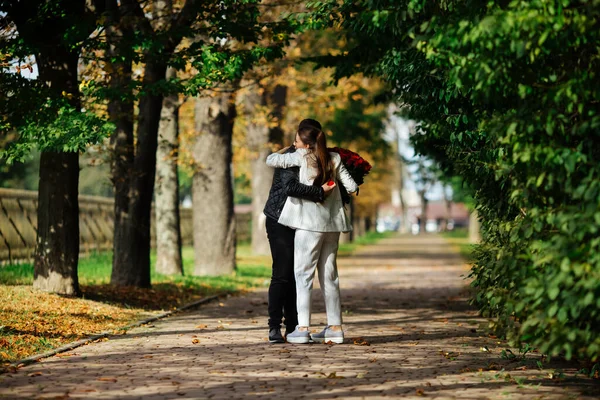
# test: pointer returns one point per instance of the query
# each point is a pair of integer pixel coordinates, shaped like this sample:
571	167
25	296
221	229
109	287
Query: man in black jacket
282	290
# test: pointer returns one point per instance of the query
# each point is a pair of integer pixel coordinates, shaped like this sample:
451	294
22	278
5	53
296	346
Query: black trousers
282	290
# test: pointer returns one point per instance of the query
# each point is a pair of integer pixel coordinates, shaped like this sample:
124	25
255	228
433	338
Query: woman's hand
328	187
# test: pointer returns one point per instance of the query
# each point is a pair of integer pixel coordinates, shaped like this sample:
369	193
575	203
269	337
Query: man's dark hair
310	123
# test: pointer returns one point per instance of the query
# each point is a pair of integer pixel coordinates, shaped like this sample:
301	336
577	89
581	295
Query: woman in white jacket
318	227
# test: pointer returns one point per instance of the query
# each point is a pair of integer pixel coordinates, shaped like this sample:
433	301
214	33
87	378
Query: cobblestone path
409	334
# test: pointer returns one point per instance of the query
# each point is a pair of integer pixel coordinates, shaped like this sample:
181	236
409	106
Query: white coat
329	216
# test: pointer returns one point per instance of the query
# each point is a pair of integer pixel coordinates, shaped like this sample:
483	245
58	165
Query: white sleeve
345	178
287	160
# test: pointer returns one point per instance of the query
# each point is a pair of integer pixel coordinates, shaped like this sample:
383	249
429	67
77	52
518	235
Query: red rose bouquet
357	166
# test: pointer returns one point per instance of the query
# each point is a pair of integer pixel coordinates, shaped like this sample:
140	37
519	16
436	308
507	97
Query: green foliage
64	130
507	95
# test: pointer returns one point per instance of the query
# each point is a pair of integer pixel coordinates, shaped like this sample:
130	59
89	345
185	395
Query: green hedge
507	93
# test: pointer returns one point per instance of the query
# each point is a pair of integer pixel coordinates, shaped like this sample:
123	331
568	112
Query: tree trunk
168	232
260	135
212	186
131	258
423	220
262	176
120	112
474	227
448	216
57	250
361	227
350	209
404	226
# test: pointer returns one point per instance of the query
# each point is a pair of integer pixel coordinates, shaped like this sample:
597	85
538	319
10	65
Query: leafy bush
507	95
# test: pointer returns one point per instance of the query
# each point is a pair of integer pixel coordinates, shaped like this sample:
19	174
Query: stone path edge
73	345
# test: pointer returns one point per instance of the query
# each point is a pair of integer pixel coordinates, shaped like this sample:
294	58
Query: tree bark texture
131	258
352	235
404	226
168	232
57	250
121	113
212	185
448	209
261	133
423	219
474	227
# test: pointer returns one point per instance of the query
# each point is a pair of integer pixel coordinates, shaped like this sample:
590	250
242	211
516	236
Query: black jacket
285	183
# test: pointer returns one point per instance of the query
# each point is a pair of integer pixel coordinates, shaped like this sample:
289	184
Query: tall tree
212	190
197	35
264	107
168	231
52	33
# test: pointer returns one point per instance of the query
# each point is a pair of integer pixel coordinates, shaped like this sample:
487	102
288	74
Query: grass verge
459	239
346	249
32	321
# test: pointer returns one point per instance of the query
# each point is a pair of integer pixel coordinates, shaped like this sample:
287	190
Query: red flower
357	166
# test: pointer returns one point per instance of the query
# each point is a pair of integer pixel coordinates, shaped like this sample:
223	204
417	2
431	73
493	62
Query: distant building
390	215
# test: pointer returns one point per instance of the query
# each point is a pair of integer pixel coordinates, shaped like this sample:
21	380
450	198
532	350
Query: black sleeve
294	188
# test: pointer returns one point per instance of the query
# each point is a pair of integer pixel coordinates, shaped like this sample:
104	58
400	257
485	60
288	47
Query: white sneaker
328	335
298	337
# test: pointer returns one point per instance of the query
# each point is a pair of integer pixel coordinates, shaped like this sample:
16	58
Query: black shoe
289	329
275	335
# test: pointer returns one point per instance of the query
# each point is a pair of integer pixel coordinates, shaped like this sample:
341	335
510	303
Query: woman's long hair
317	143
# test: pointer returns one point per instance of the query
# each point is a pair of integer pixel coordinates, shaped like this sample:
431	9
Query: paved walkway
410	334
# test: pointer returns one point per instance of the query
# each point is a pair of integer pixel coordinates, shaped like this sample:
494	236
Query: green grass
34	321
95	269
252	270
346	249
459	238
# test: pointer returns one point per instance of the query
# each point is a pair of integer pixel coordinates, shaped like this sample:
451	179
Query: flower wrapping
357	166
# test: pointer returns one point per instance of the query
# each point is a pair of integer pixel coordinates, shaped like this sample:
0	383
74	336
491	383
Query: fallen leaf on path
361	342
195	341
107	379
420	392
203	326
35	374
333	375
147	356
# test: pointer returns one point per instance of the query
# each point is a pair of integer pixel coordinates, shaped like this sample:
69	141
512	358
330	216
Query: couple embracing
305	215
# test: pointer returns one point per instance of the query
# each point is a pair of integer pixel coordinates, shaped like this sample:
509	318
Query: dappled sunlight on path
409	333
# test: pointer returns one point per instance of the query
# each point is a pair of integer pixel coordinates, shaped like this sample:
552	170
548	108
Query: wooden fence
18	224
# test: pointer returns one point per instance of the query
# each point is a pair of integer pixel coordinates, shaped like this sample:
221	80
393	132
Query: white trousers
317	250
